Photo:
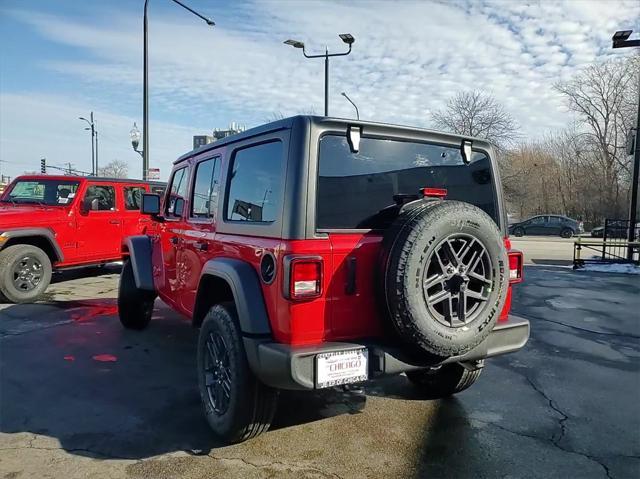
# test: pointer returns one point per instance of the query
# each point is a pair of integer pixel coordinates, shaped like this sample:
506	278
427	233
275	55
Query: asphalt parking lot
81	397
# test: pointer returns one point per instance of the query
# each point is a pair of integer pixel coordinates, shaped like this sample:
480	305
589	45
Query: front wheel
236	404
444	381
135	306
25	273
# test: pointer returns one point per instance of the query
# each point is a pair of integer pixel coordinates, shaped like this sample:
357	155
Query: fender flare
140	256
247	293
42	232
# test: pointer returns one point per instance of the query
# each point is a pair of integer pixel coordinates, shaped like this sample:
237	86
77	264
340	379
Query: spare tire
445	276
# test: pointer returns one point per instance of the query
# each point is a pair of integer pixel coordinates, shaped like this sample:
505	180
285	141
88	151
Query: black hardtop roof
91	178
320	121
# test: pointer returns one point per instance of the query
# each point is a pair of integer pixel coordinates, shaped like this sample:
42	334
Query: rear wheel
519	232
25	273
444	381
236	404
566	233
135	306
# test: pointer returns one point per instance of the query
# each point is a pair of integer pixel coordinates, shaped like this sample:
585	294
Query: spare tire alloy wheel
445	277
457	280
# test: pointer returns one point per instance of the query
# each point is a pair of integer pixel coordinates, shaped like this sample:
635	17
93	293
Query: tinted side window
205	189
133	197
538	220
555	219
100	198
177	190
255	183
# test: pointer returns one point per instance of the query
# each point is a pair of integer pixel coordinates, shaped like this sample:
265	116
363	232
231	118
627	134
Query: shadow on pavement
72	373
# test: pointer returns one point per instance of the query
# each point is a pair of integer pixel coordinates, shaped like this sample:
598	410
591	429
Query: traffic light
43	166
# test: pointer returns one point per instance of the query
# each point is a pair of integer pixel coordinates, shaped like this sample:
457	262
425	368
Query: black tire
410	248
25	273
135	306
519	232
566	233
443	382
248	408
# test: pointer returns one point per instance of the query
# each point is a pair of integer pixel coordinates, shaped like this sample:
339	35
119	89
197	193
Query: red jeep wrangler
316	252
43	225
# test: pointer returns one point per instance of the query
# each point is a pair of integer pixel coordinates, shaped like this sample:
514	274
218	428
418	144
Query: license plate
341	367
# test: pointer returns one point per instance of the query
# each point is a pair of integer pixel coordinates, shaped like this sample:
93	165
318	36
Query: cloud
37	126
408	59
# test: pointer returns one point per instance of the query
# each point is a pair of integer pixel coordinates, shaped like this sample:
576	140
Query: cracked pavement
81	397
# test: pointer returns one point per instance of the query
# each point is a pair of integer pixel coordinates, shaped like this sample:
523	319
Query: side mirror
178	207
150	204
466	150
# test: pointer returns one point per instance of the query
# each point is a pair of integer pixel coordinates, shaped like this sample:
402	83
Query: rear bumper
285	366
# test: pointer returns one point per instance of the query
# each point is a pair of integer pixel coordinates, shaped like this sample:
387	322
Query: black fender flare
42	232
245	287
140	249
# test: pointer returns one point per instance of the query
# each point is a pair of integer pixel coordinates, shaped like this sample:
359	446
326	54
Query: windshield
364	190
44	192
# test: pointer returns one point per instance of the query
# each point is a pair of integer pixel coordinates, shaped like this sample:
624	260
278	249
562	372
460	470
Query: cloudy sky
61	59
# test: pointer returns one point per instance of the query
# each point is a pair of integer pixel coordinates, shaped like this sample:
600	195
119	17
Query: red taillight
434	192
305	278
516	262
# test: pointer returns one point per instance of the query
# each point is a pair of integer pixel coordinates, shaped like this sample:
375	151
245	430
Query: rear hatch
358	196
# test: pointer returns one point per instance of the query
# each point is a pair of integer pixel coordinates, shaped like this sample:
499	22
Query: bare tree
474	113
603	96
115	169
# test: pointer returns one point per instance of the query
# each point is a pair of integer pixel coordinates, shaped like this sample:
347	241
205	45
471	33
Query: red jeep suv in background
53	222
318	252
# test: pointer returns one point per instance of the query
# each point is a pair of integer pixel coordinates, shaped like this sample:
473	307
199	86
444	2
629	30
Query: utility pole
145	82
621	40
94	143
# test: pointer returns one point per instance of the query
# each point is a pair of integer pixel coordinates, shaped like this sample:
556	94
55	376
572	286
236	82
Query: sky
62	59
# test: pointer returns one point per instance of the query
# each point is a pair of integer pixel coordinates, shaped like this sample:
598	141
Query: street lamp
354	105
135	139
620	39
94	143
145	83
346	38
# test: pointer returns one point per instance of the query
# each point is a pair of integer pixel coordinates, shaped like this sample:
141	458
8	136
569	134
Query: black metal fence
614	247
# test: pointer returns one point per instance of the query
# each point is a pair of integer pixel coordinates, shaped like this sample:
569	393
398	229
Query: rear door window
361	190
255	184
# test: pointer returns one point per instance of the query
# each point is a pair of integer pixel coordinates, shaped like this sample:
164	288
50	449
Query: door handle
174	240
202	246
114	222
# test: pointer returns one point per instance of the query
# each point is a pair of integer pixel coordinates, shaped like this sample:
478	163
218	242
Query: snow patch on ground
612	268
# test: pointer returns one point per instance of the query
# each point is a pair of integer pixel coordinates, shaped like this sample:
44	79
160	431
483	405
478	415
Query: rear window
357	190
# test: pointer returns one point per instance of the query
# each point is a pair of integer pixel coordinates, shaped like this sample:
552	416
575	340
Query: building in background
218	134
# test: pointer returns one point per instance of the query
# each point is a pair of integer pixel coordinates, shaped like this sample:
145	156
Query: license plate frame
345	370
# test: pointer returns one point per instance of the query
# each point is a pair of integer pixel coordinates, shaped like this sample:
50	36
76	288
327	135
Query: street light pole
346	38
354	105
621	40
145	83
94	143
